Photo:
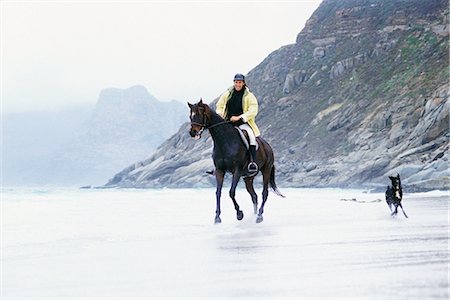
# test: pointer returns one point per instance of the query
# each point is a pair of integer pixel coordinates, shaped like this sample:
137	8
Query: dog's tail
273	185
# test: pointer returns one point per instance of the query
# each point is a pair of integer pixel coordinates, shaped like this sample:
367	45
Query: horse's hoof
259	219
240	215
217	220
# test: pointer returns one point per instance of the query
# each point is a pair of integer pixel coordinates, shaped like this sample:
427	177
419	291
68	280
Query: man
240	106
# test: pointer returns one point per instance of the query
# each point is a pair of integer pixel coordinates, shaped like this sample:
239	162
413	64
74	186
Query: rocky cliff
362	94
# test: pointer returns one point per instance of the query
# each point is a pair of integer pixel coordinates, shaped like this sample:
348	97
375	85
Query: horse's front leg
219	179
234	183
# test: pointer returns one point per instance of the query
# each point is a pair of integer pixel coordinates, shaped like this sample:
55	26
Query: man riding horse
239	106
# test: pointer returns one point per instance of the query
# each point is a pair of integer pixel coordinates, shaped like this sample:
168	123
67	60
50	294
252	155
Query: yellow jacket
249	107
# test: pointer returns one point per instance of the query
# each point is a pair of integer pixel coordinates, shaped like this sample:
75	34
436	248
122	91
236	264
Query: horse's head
200	118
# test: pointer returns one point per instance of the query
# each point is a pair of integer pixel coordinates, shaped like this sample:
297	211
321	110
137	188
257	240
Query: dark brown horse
231	155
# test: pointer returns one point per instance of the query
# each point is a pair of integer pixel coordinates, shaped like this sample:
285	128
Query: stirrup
252	167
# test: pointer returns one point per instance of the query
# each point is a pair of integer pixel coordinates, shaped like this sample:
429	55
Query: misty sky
61	54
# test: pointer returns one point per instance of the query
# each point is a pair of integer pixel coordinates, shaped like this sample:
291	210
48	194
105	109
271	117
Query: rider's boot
252	166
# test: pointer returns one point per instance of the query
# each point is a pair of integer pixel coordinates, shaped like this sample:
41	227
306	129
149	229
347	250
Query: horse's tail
273	185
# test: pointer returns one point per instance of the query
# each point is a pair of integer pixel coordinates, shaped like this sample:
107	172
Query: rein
203	126
217	124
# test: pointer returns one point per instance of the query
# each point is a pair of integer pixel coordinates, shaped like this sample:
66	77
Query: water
314	244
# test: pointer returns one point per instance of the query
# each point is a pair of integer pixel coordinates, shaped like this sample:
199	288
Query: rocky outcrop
319	53
126	125
293	80
361	95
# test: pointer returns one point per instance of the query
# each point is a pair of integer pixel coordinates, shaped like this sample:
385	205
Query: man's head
239	82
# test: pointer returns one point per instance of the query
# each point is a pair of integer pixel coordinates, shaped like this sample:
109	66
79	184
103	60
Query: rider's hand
235	118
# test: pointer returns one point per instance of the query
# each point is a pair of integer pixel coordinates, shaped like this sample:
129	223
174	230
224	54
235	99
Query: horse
231	155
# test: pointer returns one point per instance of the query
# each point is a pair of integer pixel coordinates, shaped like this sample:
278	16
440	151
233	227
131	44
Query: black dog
394	195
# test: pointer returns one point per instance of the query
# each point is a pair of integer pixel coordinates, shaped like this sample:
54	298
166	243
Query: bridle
203	126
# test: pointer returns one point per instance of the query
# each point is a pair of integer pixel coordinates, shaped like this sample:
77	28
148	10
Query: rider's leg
252	166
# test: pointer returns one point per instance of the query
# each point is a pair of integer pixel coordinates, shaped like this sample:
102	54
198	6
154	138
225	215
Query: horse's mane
214	117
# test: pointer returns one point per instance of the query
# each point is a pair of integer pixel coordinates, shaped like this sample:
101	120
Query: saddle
245	139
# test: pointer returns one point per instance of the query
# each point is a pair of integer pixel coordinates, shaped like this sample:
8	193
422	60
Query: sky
61	54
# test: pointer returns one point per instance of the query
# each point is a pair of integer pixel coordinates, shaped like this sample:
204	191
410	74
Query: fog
60	54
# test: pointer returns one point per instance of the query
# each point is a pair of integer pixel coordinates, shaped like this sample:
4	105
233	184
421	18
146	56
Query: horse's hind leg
234	183
251	191
265	193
